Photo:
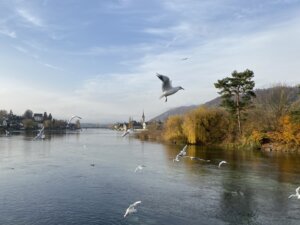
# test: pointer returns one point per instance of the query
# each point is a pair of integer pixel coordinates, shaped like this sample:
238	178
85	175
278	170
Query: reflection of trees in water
286	165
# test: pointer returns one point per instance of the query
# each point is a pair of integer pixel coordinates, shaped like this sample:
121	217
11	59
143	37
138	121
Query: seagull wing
126	213
41	131
297	190
125	133
292	196
184	149
176	158
135	204
222	162
73	118
167	84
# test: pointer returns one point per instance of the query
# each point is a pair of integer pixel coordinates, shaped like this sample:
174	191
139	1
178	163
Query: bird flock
167	90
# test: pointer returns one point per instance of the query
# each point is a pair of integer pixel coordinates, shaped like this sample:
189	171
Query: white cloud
8	33
21	49
51	66
30	18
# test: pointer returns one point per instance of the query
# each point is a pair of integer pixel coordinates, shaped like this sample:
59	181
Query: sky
98	59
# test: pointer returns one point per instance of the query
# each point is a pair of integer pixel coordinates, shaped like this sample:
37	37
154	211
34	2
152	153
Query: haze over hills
266	96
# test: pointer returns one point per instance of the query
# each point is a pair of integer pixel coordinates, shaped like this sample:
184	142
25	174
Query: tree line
28	122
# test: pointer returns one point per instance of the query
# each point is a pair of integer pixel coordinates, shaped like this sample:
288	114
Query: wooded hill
270	97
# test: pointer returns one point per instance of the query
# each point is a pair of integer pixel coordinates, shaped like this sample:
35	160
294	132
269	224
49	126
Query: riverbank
158	136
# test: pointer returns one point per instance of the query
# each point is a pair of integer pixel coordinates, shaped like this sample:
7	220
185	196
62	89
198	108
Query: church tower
143	117
144	121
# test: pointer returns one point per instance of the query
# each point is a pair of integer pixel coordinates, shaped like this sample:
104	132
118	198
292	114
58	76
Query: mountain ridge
263	96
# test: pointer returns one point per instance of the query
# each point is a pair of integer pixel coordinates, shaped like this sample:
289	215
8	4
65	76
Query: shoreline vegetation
266	119
30	121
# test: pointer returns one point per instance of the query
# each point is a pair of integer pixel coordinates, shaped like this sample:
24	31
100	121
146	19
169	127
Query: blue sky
98	59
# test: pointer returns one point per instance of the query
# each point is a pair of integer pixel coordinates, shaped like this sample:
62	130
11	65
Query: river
88	178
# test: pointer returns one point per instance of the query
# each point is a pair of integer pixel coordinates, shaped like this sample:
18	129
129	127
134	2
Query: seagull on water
73	117
131	208
180	154
139	167
222	162
297	195
167	86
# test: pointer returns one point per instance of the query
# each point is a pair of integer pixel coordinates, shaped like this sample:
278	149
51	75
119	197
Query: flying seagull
139	167
180	154
184	58
222	162
167	86
73	117
7	133
196	158
297	195
126	133
41	134
131	208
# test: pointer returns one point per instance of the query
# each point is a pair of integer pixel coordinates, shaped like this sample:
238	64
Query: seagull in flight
183	59
297	195
7	133
126	133
222	162
131	208
41	134
167	86
73	117
139	167
196	158
180	154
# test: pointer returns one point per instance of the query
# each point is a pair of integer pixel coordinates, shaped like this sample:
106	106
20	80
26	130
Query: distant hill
175	111
266	96
183	109
94	125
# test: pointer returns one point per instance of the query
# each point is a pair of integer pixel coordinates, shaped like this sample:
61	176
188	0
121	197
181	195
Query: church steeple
143	117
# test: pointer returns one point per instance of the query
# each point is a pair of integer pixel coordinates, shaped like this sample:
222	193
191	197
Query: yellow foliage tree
205	125
288	132
173	129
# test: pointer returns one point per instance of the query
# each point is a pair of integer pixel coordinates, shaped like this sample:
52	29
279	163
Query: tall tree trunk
238	112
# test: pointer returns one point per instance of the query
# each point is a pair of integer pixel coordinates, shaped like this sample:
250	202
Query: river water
88	178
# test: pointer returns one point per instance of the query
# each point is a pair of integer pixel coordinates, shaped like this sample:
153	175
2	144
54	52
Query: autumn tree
237	93
205	126
173	129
